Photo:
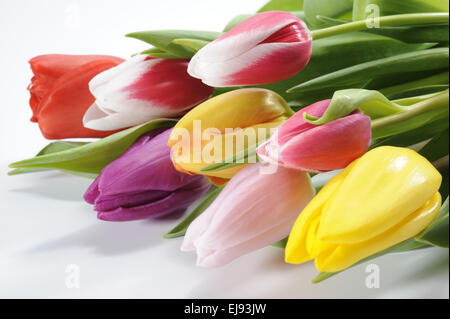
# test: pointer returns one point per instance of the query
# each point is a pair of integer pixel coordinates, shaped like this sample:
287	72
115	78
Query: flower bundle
234	124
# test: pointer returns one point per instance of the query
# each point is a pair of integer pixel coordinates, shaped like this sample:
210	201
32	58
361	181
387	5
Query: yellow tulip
223	126
385	197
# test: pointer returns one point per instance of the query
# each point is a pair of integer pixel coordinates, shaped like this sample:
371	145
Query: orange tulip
60	92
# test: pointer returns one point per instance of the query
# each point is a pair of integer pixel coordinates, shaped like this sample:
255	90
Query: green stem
387	21
414	110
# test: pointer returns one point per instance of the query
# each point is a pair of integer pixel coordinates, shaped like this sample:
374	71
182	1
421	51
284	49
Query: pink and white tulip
142	89
318	148
244	218
266	48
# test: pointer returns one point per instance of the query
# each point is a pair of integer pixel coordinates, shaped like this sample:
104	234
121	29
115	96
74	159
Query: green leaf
370	102
436	233
93	157
415	34
281	244
437	147
439	81
415	116
158	53
431	59
414	136
181	228
341	9
191	44
282	5
340	52
50	148
162	39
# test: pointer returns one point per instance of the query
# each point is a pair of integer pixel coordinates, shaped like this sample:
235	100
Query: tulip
318	148
60	93
385	197
223	121
244	218
142	89
142	183
266	48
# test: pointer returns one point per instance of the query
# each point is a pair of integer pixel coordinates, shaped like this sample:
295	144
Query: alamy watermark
372	16
72	276
373	278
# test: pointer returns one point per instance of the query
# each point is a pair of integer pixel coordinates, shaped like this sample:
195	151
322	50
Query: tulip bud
385	197
142	89
142	183
317	148
243	218
266	48
60	93
223	126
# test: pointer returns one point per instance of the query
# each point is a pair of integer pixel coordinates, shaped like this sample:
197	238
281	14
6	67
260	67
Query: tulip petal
296	250
61	110
242	219
345	255
330	146
175	202
391	183
307	147
240	119
142	183
249	54
142	89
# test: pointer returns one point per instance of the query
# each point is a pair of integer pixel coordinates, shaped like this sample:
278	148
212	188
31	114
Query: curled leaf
371	103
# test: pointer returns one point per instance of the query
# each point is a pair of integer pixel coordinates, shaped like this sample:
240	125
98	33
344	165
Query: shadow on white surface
106	238
54	185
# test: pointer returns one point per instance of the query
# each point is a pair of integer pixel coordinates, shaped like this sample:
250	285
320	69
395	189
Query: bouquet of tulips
316	126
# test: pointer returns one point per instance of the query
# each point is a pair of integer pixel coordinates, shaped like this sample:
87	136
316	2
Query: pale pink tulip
255	209
142	89
268	47
317	148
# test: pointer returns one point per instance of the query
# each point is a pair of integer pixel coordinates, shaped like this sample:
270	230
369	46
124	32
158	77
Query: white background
45	225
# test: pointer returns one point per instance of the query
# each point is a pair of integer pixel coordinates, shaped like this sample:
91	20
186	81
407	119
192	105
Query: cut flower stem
387	21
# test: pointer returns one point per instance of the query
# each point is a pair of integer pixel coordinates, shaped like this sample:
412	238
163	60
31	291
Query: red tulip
60	92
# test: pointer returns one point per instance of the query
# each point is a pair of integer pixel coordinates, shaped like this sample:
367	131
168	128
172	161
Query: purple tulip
143	183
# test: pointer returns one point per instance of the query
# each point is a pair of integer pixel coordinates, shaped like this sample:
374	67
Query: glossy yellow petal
239	108
345	255
386	185
223	126
301	239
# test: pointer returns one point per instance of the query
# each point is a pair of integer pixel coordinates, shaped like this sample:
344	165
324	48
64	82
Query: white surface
45	225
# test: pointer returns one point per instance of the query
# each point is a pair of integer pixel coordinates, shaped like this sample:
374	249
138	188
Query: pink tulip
317	148
268	47
142	89
244	218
